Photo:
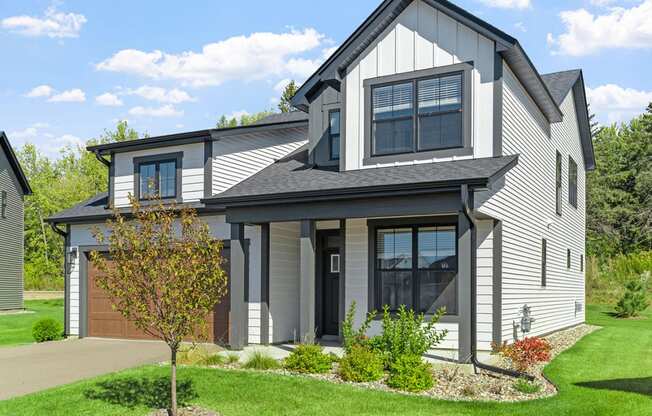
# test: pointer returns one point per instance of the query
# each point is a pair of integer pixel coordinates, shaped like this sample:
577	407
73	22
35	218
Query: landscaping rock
187	411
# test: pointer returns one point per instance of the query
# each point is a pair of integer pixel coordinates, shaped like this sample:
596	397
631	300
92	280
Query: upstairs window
572	182
334	134
568	259
3	204
158	177
558	184
544	262
417	115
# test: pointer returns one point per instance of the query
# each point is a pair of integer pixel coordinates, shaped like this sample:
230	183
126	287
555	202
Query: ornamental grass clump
527	387
261	361
308	359
361	364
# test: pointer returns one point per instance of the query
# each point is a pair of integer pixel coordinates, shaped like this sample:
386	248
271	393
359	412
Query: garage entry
103	322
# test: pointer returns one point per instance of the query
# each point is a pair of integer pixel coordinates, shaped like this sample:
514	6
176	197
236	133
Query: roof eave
15	164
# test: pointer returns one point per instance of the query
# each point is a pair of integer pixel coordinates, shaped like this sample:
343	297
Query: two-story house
430	166
13	189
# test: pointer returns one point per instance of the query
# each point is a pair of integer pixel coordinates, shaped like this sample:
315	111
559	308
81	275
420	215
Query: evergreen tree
288	93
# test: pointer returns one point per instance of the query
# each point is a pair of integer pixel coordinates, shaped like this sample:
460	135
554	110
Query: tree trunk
173	384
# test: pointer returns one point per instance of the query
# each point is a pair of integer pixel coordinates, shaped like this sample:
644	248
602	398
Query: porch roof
295	178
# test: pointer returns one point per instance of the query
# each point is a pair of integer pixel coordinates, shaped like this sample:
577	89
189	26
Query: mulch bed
187	411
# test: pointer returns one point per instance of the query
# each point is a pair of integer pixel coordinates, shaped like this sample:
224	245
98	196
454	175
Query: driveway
31	368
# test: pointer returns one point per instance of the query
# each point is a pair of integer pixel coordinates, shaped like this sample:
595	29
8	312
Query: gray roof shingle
293	176
560	83
291	117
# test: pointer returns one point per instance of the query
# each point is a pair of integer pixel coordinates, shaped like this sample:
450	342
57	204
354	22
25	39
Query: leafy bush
634	300
526	352
261	361
527	387
47	329
360	365
353	337
606	277
410	373
309	359
407	334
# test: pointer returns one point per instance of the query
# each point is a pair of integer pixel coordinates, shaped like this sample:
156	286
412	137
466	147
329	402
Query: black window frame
332	136
157	160
544	262
569	256
3	204
559	168
414	77
414	225
572	182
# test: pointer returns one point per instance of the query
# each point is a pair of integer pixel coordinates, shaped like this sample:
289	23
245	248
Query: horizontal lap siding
11	239
525	203
422	38
284	282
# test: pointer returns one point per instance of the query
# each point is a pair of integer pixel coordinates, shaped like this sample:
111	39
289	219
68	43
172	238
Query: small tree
286	98
164	274
634	300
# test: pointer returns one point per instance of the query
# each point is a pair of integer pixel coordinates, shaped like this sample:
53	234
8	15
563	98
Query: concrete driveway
31	368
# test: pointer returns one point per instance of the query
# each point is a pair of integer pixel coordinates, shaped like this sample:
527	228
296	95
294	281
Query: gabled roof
295	177
562	83
15	165
333	70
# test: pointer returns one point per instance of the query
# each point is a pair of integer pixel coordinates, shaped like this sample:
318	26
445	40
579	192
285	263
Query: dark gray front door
331	284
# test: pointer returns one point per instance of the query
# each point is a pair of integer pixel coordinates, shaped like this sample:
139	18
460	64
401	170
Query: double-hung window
3	204
334	134
158	177
558	184
417	115
572	182
416	266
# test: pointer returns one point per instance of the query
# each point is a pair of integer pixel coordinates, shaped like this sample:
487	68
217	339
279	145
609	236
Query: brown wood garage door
104	322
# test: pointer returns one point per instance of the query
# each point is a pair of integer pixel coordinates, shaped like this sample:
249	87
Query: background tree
165	274
286	97
244	120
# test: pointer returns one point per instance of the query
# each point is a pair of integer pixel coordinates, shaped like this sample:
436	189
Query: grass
261	361
607	373
527	387
16	329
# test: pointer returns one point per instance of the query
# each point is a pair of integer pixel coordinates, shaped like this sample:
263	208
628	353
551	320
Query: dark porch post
264	283
238	316
464	254
307	281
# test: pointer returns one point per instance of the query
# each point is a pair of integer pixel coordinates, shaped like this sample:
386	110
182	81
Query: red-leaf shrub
527	352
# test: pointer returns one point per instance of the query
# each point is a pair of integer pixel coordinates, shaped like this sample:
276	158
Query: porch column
307	281
238	316
465	254
264	283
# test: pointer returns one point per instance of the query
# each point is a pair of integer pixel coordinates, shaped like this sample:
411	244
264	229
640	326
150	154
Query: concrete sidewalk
31	368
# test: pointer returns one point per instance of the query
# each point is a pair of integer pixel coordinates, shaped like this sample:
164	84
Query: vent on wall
579	307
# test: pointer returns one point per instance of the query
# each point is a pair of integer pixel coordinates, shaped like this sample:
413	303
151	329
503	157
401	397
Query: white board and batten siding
192	183
422	38
525	203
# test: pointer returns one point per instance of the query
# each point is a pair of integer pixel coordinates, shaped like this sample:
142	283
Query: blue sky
71	69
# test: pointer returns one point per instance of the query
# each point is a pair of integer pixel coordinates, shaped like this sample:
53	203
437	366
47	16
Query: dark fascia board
199	136
582	110
15	164
93	219
384	15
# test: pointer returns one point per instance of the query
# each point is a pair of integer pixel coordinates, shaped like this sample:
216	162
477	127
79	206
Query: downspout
66	283
106	163
467	198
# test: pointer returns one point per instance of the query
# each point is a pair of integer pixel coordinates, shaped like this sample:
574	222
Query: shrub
634	300
232	358
47	329
360	365
407	334
353	337
261	361
212	360
308	359
410	373
198	355
527	387
525	353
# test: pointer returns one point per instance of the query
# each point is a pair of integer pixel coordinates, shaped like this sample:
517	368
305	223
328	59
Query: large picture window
416	266
418	115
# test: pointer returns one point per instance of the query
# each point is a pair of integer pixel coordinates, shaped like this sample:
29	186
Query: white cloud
108	100
602	3
280	86
40	91
520	26
508	4
254	57
173	96
164	111
237	114
53	24
70	96
28	133
613	103
587	33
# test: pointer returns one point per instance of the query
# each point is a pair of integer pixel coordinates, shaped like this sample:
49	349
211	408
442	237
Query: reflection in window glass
394	249
392	118
147	180
168	179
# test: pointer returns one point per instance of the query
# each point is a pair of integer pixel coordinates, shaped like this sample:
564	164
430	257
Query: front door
331	290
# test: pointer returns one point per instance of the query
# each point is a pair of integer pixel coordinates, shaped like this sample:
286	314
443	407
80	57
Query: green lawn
607	373
17	328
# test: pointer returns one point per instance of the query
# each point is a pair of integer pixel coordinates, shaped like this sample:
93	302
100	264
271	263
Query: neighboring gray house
13	188
430	165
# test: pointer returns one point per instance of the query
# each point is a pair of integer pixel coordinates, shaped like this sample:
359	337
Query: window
3	204
568	259
416	266
417	115
572	182
558	183
544	261
334	134
335	263
581	262
158	176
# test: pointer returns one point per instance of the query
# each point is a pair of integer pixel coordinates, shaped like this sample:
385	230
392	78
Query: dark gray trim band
343	127
264	283
208	169
497	289
342	286
498	105
238	321
465	261
66	282
177	156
